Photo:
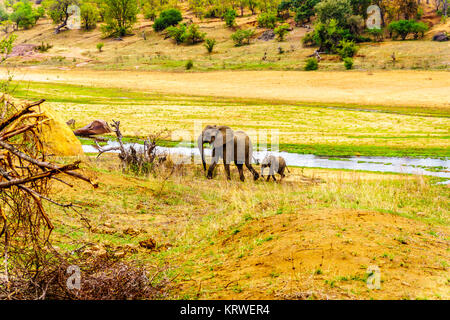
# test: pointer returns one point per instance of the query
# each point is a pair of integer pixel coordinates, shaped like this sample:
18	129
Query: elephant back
243	148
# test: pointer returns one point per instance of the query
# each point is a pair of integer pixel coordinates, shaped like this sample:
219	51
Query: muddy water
419	166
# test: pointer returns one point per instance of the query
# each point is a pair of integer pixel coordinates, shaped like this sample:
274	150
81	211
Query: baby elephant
275	164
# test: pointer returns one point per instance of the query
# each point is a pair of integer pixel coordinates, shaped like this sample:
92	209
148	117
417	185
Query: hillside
77	49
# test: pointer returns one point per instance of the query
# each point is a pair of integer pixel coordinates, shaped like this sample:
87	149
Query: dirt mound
57	137
325	254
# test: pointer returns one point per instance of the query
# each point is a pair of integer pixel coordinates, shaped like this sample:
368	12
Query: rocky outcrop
94	128
440	36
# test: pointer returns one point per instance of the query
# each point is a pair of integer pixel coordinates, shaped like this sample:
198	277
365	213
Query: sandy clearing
389	88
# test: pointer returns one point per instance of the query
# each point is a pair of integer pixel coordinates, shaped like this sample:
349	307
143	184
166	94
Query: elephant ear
224	136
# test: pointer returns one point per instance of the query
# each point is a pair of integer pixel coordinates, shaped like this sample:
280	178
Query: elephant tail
287	168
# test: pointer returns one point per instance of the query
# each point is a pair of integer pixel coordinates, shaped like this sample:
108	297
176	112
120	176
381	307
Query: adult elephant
230	146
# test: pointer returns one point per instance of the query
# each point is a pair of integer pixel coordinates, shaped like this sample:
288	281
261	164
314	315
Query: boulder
440	36
267	35
94	128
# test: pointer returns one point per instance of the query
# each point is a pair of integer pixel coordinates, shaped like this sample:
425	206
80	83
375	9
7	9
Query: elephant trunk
201	148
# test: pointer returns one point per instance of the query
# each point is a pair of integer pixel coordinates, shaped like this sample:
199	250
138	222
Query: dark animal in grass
275	165
231	146
94	128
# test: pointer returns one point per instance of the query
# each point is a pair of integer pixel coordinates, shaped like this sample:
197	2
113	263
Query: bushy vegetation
311	64
210	44
120	16
177	33
230	17
100	46
347	49
23	15
189	65
43	47
376	33
303	9
89	16
183	34
242	37
403	28
281	31
267	20
348	63
167	18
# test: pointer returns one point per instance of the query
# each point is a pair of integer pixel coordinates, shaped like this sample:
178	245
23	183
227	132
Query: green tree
3	14
58	11
89	16
24	16
338	10
403	28
120	16
267	20
167	18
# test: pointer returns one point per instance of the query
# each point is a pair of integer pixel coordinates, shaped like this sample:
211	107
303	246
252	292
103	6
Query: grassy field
219	239
333	130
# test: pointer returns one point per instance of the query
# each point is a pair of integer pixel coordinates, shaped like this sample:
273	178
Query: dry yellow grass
391	88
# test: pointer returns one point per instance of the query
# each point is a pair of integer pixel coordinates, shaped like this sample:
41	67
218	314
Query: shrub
281	31
177	33
242	37
419	29
311	64
209	45
189	65
167	18
348	63
347	49
43	47
267	20
230	17
308	40
194	35
89	16
403	28
376	33
100	46
190	35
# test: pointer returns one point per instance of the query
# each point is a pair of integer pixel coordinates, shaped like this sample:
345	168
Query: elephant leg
241	171
226	164
214	162
227	169
252	170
